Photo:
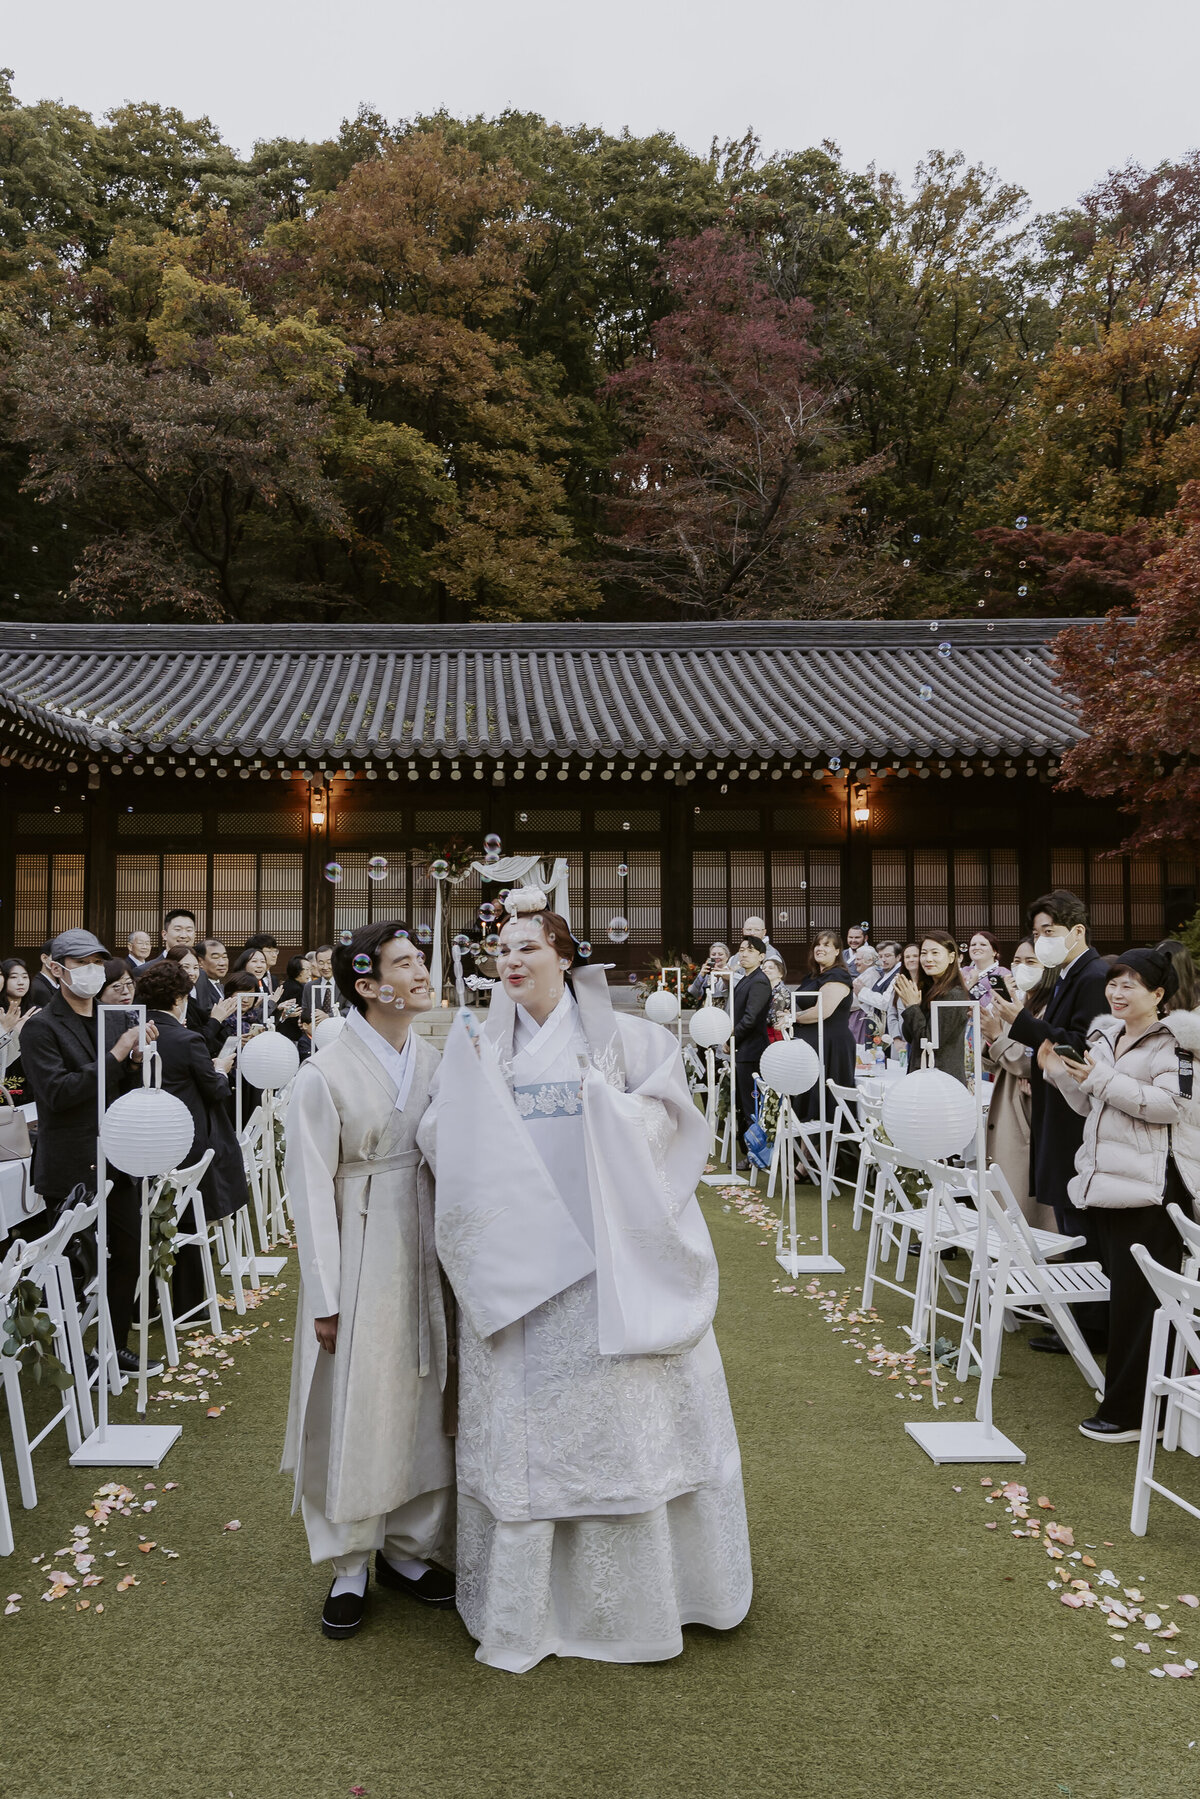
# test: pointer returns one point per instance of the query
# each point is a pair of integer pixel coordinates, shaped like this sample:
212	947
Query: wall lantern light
859	806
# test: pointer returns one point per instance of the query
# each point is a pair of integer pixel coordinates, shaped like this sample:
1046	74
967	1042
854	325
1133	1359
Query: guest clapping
941	979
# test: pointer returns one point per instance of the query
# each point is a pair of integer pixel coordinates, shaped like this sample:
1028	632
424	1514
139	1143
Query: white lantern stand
266	1266
120	1445
708	1027
977	1439
662	987
270	1062
791	1261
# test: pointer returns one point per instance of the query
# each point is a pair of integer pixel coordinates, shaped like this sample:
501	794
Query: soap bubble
398	935
387	994
376	868
424	933
399	1005
906	562
491	857
462	941
439	868
865	925
945	649
1022	522
991	627
835	762
491	942
618	930
916	537
523	817
633	980
622	869
625	825
803	886
584	948
1022	591
333	872
362	964
783	918
345	938
487	913
926	691
1075	348
492	842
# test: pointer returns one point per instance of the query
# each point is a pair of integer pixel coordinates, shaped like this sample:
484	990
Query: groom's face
403	976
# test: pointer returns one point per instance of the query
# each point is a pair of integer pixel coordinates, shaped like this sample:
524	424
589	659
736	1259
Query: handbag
758	1144
14	1132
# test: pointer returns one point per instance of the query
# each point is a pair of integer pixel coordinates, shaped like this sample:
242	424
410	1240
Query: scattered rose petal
97	1611
1071	1599
214	1411
1189	1599
1178	1672
1045	1504
234	1524
147	1547
10	1608
1152	1621
170	1486
1118	1661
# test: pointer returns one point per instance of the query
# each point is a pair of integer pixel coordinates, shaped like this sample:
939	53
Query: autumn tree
1137	682
729	502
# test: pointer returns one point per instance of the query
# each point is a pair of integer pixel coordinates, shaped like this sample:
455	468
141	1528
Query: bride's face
530	967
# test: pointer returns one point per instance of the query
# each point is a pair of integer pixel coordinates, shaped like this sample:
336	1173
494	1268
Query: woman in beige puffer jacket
1140	1149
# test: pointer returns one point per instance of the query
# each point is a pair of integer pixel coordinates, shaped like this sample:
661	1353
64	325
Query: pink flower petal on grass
234	1524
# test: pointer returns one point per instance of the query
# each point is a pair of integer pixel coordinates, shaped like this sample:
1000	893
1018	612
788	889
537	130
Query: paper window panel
1006	895
889	895
747	889
1067	870
235	897
32	908
1146	924
281	896
972	909
138	897
787	922
930	894
1106	897
710	920
824	891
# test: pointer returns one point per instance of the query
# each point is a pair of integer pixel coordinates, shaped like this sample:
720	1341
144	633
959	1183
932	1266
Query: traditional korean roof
654	692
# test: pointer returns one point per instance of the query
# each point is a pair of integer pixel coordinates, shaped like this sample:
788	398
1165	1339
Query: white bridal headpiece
521	902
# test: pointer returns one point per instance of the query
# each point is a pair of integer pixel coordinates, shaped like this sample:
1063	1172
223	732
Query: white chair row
1172	1405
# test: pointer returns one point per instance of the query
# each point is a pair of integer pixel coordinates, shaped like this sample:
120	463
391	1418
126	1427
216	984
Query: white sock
410	1570
350	1583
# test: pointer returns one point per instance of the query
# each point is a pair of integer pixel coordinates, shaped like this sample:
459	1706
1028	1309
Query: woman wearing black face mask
1009	1114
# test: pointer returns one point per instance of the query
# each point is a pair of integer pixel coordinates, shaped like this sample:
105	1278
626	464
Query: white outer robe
599	1479
361	1198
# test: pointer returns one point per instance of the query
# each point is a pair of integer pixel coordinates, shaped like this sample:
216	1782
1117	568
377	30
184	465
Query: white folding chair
854	1110
1029	1286
1183	1430
895	1221
8	1279
185	1185
1179	1310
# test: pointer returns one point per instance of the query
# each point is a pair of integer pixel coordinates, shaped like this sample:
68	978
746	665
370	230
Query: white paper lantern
929	1115
147	1132
790	1067
270	1060
327	1032
662	1007
710	1026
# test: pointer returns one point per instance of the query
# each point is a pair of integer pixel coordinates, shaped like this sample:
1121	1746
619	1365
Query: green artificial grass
895	1647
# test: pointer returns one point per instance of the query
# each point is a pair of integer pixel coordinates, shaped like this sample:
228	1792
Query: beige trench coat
362	1199
1008	1125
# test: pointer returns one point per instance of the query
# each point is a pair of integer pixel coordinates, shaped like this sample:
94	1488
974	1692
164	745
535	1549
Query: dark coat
207	992
950	1056
1056	1130
319	996
188	1073
751	1016
58	1054
41	991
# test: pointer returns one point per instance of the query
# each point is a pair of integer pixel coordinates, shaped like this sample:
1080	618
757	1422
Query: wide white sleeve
656	1271
314	1135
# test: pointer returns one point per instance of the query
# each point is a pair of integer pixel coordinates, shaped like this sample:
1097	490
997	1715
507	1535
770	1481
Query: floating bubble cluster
424	934
345	938
488	912
439	868
618	930
333	872
491	843
376	868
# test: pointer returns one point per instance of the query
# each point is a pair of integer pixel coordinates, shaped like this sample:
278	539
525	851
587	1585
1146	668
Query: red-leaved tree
1137	680
728	501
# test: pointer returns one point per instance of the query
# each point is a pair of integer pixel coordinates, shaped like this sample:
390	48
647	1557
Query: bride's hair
557	933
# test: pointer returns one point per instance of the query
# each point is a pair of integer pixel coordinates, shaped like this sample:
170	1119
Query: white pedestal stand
718	1178
266	1267
118	1445
977	1439
662	981
792	1263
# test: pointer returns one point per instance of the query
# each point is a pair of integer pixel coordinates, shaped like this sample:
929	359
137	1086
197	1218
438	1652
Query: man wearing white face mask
1058	924
59	1055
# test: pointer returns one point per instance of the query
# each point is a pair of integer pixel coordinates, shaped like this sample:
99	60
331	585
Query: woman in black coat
189	1072
823	1001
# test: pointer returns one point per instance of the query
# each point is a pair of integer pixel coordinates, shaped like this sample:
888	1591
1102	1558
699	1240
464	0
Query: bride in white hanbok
600	1503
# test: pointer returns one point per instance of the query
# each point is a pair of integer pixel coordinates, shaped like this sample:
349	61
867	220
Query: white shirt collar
397	1064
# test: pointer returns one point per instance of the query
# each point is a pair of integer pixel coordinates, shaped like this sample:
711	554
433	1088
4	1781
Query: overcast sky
1052	93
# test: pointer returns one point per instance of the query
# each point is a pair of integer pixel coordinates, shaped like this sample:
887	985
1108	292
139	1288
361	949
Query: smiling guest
940	979
1140	1151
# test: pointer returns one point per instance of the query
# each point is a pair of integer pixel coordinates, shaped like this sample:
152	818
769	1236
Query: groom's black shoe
343	1615
435	1587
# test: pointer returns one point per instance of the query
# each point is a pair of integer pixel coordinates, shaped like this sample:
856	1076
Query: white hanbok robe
600	1493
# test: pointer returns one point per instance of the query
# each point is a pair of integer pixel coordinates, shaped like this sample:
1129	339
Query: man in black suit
751	1011
214	966
43	986
320	995
178	932
59	1054
139	950
1058	924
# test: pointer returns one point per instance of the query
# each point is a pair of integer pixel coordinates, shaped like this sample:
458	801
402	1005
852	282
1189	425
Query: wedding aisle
903	1639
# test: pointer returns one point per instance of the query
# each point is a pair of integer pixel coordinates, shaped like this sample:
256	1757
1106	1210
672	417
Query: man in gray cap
60	1062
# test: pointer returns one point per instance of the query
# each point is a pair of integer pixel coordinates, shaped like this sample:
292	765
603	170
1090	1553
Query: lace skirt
609	1589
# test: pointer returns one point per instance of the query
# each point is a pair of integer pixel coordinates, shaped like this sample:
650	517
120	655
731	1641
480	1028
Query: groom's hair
368	940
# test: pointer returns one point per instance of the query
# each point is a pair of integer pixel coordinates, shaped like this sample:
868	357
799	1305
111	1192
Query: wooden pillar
856	863
1035	840
676	897
100	893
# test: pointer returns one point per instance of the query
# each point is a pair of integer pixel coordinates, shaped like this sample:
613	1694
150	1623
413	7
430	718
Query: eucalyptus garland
163	1231
29	1335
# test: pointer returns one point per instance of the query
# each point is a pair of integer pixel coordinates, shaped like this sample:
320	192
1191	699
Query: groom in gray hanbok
366	1438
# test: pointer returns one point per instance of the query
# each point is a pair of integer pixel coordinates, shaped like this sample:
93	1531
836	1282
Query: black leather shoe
1050	1344
127	1362
343	1615
435	1587
1102	1431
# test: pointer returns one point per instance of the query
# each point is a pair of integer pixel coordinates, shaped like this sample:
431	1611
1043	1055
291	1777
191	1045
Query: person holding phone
1009	1064
1140	1149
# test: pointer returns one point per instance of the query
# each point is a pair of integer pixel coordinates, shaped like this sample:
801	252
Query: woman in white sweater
1140	1149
